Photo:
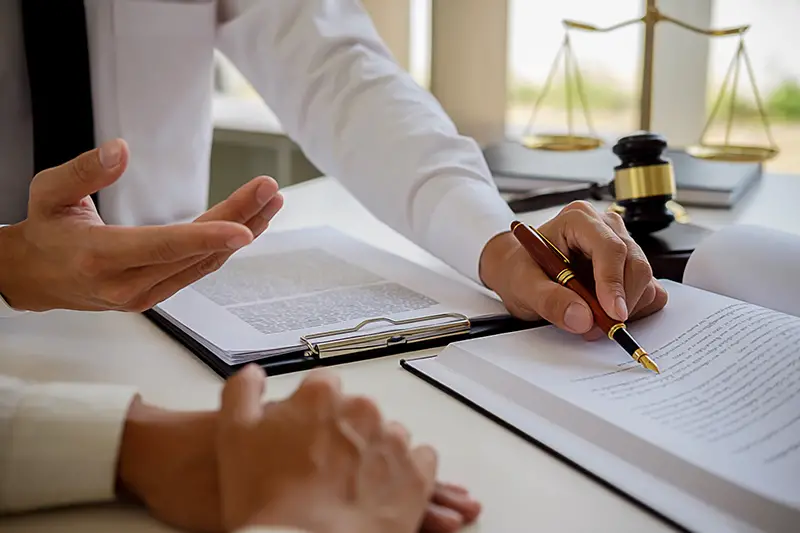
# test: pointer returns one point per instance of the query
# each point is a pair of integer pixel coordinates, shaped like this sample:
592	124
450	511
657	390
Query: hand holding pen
618	273
558	267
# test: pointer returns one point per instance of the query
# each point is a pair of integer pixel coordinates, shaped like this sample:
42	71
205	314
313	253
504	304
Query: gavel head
643	183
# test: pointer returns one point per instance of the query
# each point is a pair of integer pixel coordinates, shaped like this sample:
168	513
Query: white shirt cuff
467	215
63	445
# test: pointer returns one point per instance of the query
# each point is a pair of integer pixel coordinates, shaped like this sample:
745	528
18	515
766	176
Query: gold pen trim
550	244
564	276
638	354
614	329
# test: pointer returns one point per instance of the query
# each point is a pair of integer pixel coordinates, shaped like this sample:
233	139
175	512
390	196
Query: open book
713	442
304	294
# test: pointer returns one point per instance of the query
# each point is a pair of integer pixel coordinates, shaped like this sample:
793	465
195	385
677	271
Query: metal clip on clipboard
418	332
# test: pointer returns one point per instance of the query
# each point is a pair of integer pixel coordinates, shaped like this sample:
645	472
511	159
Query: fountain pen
557	267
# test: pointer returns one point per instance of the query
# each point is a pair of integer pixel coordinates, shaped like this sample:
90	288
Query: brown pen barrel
602	319
560	272
539	251
558	268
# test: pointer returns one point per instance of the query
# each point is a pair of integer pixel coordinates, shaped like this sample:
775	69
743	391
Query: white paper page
727	400
299	282
749	263
683	508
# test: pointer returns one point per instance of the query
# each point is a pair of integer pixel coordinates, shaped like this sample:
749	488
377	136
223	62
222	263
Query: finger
363	416
242	394
245	203
451	487
69	183
441	519
648	295
532	294
594	334
140	246
638	272
160	282
260	222
585	231
398	435
427	463
320	393
658	303
458	500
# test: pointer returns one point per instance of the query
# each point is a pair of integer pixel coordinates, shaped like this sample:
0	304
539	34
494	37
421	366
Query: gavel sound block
643	186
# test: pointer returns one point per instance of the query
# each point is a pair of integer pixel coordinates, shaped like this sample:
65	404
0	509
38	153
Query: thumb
241	397
68	184
531	293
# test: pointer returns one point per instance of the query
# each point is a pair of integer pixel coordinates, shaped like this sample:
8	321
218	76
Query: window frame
678	106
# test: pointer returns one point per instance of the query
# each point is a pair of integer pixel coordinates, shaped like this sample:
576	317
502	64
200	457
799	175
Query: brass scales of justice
644	184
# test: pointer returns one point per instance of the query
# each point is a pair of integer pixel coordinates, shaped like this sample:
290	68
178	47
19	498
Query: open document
304	282
712	443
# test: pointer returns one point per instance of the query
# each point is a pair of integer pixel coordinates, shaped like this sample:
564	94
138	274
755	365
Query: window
420	42
608	63
229	82
772	43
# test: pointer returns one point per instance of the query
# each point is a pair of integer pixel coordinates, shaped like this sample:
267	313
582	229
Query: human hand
168	461
623	277
64	256
319	461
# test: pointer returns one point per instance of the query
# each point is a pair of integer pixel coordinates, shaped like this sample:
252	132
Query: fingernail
110	154
448	518
237	242
264	193
622	308
578	318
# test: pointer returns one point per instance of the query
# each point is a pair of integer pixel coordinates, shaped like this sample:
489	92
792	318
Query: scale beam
651	18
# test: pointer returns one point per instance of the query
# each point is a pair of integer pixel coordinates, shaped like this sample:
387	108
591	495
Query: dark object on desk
699	182
643	185
543	198
311	356
668	250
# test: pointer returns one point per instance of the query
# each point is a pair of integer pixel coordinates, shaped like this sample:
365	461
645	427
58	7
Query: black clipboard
351	344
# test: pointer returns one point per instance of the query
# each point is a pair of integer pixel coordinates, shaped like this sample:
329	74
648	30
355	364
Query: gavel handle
543	198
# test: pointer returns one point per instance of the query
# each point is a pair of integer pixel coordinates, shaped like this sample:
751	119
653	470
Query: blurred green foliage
782	103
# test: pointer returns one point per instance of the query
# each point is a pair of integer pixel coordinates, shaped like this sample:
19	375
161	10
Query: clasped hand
319	460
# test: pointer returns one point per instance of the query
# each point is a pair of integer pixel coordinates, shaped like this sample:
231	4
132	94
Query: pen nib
649	364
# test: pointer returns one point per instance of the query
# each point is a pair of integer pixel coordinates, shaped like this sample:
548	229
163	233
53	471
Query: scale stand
644	185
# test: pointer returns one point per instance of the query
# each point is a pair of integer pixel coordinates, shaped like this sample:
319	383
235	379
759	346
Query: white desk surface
248	115
523	489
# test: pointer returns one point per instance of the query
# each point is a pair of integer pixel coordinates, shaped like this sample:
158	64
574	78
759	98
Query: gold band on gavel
642	182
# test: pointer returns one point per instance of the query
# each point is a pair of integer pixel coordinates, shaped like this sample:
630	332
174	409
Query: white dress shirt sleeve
359	117
59	443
